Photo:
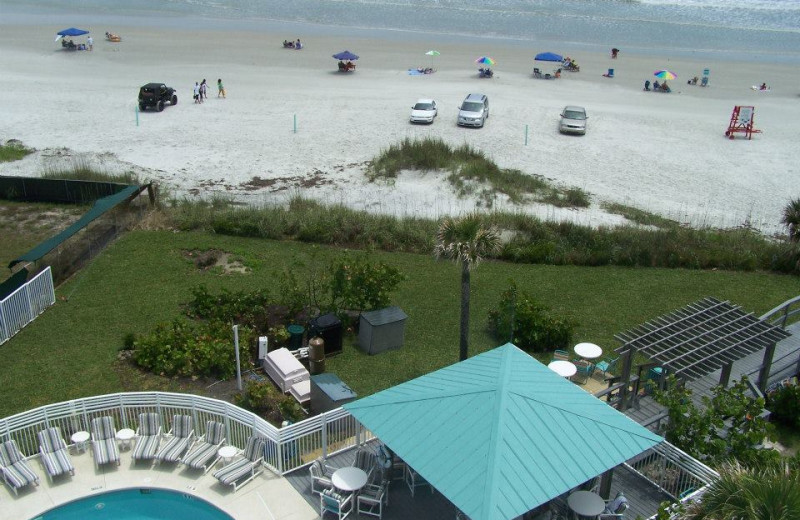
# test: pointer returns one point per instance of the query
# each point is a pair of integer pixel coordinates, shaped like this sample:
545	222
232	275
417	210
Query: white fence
287	448
25	304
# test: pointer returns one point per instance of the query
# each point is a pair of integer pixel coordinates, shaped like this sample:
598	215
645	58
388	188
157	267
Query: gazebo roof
700	338
500	433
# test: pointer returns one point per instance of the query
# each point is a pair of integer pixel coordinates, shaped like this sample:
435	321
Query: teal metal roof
500	433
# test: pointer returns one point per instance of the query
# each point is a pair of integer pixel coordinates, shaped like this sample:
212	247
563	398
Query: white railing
287	448
672	470
25	304
780	315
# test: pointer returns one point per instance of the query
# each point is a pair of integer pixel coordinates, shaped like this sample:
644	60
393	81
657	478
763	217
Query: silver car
424	111
573	120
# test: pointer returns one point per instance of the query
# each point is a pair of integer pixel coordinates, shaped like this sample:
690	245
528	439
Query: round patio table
125	436
563	368
588	350
586	503
79	439
349	478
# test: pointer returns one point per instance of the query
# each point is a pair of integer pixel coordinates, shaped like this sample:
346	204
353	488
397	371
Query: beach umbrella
346	55
665	74
432	54
548	56
72	31
485	60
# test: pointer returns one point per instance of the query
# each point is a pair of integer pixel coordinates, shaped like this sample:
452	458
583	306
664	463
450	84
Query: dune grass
143	278
83	171
13	150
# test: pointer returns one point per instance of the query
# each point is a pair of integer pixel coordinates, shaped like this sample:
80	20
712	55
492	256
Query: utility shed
382	330
328	392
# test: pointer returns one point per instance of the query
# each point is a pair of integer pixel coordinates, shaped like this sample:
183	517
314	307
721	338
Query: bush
239	307
359	285
784	403
528	324
262	398
181	348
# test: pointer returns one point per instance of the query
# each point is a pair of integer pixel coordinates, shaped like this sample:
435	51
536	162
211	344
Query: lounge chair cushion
105	451
103	428
16	470
55	458
150	436
174	448
205	449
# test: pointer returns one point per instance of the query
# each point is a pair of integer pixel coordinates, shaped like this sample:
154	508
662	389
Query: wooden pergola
700	338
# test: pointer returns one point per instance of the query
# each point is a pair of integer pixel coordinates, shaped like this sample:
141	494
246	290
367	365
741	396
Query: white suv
474	111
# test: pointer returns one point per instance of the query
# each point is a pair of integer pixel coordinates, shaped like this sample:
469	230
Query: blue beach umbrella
72	31
346	55
548	56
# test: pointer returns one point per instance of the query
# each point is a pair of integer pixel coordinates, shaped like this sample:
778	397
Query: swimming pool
137	504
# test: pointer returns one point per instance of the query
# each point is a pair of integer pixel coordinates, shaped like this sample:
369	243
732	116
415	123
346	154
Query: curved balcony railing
783	314
287	448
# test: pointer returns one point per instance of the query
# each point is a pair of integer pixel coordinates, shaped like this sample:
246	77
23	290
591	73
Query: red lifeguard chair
742	122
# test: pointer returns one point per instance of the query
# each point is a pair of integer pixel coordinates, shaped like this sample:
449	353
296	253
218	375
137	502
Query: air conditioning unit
262	347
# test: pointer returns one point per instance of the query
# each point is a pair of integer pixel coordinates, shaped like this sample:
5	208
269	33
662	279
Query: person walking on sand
197	93
90	43
220	88
203	90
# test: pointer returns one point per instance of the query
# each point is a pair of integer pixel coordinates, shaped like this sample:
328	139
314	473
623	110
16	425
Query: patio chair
182	434
320	476
560	355
414	480
607	365
247	468
53	450
104	441
332	502
373	497
202	452
365	460
585	370
17	473
149	436
615	508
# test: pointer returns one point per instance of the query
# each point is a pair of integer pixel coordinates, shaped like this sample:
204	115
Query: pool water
137	504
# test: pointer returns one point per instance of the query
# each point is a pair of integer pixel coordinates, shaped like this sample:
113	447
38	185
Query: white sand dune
664	153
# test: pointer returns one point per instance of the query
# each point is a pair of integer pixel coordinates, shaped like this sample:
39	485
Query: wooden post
625	377
605	484
766	366
151	193
725	376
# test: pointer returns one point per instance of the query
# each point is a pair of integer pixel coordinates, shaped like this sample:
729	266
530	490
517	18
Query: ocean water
729	29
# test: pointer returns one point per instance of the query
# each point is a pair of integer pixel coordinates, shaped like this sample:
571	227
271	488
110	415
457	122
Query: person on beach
298	45
196	93
203	90
763	87
220	88
614	53
647	84
656	86
90	43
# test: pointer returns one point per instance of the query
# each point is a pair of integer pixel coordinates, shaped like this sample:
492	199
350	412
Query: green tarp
56	190
100	207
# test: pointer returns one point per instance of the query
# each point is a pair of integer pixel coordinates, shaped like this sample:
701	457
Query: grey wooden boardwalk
785	364
644	498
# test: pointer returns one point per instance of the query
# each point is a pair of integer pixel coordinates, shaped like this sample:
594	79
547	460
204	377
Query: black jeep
156	95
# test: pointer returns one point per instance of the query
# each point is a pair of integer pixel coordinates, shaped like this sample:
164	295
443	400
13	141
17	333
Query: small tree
791	217
466	240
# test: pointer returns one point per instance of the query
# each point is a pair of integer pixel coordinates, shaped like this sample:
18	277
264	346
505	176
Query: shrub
239	307
784	403
358	285
262	398
180	348
13	150
528	324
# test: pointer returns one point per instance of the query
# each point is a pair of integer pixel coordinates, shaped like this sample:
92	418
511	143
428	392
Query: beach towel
417	72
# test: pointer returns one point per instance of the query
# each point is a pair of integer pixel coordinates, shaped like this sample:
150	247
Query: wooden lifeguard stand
742	122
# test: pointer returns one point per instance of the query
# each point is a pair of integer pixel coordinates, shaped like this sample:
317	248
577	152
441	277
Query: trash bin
295	336
316	355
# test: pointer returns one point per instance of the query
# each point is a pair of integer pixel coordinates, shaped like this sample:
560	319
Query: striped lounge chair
16	471
149	436
182	434
104	441
53	449
247	468
202	452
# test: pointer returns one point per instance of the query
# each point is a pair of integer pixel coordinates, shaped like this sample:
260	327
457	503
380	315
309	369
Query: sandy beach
664	153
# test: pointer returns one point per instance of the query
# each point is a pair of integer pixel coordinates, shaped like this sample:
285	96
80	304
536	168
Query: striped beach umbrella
485	60
665	74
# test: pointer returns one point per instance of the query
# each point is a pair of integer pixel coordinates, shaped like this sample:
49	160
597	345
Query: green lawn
140	280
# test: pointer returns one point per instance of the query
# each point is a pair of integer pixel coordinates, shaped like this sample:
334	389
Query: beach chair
242	471
149	436
104	441
17	473
182	434
704	81
537	73
201	452
53	450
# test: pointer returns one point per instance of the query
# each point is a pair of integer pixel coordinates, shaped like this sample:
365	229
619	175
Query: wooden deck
644	497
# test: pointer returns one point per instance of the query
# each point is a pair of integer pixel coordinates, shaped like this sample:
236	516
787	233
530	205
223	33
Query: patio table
349	478
586	503
125	436
563	368
588	350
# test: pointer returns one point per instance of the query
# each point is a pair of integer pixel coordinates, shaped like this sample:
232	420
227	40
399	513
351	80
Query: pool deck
268	496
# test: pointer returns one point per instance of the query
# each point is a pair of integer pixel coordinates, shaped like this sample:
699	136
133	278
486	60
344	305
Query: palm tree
465	240
791	217
764	493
